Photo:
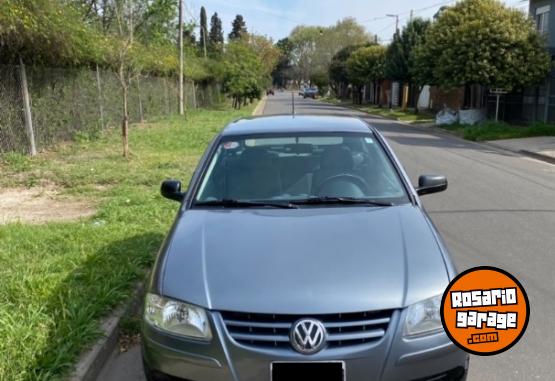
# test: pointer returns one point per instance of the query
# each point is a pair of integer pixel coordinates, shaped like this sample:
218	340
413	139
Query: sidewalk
542	147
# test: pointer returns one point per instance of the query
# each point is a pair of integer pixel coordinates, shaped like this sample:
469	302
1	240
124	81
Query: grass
396	113
57	280
491	130
488	130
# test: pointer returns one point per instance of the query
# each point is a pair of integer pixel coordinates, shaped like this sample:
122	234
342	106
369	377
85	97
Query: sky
276	18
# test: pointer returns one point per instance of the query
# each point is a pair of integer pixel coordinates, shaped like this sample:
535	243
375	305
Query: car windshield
330	167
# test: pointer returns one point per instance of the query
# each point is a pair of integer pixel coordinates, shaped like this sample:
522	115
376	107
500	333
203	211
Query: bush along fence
40	106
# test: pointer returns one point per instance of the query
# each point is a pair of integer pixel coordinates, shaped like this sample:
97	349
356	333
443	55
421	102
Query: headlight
424	317
177	317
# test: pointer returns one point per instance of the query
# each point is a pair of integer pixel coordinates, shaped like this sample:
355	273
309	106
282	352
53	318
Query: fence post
27	108
141	116
98	85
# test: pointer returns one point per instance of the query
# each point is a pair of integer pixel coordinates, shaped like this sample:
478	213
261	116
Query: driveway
499	211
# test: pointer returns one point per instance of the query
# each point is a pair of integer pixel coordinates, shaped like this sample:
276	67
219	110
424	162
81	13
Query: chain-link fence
66	102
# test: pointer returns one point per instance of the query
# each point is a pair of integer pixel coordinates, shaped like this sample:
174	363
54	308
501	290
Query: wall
453	99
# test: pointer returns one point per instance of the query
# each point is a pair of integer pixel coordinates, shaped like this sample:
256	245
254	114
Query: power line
433	6
387	27
408	12
374	19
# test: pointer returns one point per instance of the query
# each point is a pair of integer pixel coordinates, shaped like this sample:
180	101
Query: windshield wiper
231	203
341	200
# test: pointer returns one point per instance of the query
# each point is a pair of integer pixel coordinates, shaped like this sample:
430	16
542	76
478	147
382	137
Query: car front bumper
393	357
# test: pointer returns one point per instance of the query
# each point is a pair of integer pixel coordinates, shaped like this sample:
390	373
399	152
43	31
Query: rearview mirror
431	184
172	189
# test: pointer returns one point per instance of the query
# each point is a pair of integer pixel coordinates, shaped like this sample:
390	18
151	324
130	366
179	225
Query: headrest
337	157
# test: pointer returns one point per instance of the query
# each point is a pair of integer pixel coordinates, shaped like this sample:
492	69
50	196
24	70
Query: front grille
272	330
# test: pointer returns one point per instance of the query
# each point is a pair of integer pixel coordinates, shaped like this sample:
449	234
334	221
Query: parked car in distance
300	251
311	92
270	92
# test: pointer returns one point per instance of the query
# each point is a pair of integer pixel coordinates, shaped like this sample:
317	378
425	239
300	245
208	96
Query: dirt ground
39	205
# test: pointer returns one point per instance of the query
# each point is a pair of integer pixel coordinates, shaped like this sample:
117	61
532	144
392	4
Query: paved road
499	210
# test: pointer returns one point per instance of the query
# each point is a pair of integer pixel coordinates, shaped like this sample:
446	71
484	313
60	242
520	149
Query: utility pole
396	22
181	108
396	34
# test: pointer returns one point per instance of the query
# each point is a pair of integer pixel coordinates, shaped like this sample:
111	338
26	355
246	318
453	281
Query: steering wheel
353	179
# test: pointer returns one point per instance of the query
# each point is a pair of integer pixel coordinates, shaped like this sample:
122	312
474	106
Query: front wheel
151	375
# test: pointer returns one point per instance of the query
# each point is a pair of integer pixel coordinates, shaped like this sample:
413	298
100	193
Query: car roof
292	124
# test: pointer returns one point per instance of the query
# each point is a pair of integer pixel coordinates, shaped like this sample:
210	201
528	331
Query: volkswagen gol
300	252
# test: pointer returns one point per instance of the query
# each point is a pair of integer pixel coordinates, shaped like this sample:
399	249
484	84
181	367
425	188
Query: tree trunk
125	124
141	115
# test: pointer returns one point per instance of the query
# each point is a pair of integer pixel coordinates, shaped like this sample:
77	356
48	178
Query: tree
203	31
481	42
282	72
314	46
158	23
46	32
366	64
304	40
216	34
399	57
267	53
135	49
399	64
189	36
338	76
238	28
321	80
243	73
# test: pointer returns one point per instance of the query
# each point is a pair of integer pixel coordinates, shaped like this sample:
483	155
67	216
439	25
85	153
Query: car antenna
292	103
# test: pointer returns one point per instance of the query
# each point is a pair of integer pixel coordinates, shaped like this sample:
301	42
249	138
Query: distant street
499	210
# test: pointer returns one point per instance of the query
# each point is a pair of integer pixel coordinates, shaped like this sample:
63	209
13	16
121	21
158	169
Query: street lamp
396	17
396	32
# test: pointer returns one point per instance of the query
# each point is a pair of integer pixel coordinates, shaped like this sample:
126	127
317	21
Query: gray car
300	252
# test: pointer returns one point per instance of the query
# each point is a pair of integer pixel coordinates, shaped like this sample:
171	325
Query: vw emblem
308	336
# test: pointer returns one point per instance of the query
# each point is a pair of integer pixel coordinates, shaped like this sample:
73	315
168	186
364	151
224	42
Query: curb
259	109
93	360
521	152
538	156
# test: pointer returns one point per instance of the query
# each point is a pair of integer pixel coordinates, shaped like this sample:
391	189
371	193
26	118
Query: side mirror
172	189
431	184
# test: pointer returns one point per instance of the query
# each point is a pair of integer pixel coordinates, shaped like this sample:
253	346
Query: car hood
303	261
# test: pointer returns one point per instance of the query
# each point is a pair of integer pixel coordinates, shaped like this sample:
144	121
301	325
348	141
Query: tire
148	372
151	375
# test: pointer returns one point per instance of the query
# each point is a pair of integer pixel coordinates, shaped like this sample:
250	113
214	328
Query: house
535	103
538	103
